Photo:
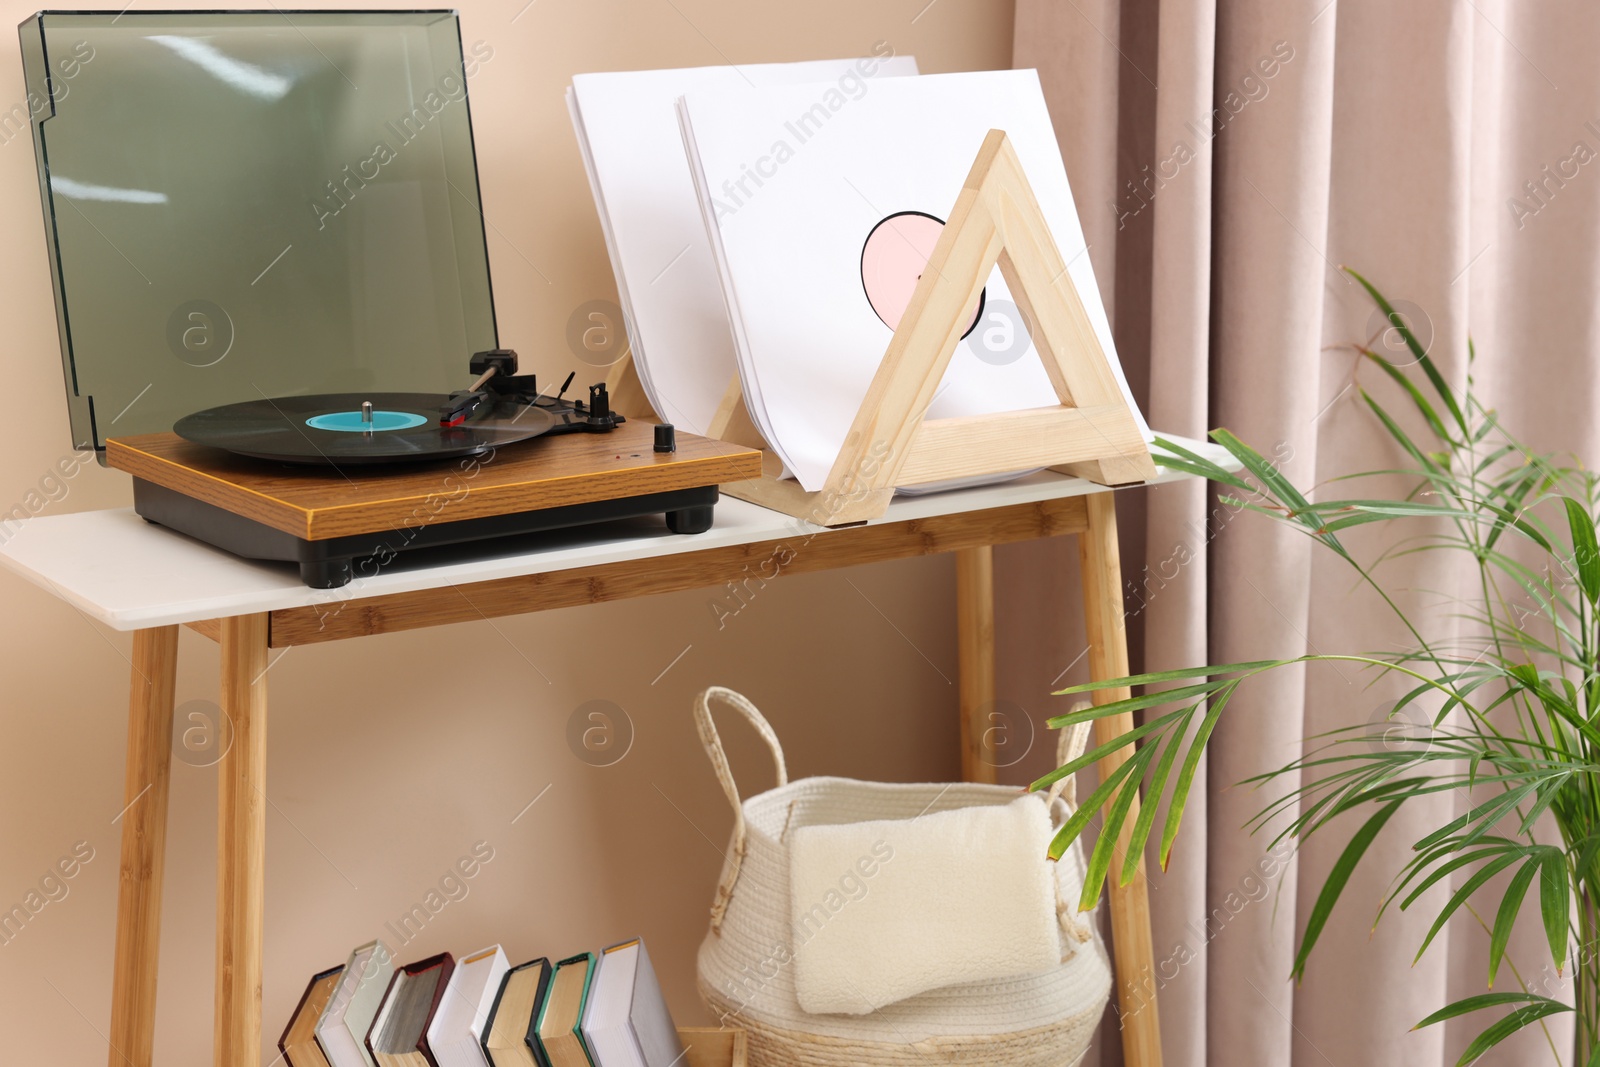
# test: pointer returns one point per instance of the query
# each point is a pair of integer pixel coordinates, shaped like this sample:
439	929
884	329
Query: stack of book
584	1011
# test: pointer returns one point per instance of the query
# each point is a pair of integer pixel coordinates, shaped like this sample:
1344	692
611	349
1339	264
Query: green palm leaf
1337	877
1502	678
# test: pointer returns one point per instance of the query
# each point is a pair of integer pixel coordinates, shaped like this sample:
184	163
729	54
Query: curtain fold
1276	141
1271	206
1173	602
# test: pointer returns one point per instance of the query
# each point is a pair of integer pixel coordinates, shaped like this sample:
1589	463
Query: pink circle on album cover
892	262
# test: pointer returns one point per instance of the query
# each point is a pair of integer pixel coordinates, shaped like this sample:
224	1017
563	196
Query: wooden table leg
241	843
144	844
975	651
1130	904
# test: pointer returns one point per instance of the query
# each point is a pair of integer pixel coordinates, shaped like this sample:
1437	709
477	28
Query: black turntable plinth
341	522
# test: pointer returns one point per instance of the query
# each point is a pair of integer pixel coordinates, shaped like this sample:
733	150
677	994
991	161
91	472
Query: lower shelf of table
705	1047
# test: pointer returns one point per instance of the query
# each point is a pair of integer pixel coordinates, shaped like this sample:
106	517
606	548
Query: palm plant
1515	731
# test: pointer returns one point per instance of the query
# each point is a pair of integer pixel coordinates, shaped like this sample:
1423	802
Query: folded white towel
886	910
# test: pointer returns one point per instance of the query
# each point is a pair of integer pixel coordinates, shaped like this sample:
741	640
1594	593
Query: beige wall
389	757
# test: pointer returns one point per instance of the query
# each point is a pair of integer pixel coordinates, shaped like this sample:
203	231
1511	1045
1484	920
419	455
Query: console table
152	581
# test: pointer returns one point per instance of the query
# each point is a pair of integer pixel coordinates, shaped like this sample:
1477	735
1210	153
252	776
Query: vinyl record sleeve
809	339
627	129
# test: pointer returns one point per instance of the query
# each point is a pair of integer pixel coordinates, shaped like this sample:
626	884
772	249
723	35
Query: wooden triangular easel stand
1091	432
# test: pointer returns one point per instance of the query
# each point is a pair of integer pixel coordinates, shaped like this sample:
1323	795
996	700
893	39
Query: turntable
343	487
272	276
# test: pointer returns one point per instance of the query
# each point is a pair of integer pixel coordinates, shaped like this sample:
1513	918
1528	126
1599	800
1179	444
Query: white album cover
822	219
627	129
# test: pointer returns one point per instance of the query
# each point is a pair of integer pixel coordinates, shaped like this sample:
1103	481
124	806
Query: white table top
129	574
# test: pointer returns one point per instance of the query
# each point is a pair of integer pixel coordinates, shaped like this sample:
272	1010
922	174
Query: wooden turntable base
330	518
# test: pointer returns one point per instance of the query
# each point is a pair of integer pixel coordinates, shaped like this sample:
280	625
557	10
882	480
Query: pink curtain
1227	159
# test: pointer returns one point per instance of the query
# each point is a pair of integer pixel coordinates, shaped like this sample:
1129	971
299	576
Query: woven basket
1035	1020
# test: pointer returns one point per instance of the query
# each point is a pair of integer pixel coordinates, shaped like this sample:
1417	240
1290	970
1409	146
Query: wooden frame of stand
246	643
1090	433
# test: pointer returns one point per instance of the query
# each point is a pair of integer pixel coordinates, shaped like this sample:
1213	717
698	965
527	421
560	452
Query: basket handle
719	763
1070	744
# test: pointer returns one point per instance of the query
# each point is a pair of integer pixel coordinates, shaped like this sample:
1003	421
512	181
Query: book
627	129
819	260
399	1034
457	1026
510	1036
299	1041
342	1030
561	1021
626	1022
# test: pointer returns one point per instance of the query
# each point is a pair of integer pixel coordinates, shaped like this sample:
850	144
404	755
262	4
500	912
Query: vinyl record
329	430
